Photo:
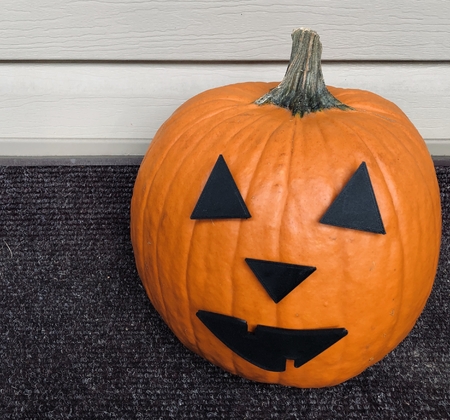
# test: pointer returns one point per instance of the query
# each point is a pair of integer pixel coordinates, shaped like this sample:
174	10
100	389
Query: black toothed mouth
270	347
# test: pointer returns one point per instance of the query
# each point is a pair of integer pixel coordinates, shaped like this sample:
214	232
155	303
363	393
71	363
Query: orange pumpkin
289	234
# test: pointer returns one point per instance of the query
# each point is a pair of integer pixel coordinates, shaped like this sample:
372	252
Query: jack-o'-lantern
289	234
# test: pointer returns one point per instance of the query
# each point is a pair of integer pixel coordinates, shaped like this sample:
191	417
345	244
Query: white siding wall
99	77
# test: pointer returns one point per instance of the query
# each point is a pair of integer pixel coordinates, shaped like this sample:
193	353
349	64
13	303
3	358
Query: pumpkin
288	233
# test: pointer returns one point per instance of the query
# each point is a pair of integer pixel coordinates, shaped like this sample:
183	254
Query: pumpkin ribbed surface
288	169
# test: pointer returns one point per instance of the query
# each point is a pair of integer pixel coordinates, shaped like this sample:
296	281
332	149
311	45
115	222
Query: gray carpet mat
80	340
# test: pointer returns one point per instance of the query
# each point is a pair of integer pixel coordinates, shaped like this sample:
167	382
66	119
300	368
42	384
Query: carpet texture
80	340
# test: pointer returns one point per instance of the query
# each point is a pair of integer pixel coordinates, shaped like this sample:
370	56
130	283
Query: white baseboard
65	147
124	150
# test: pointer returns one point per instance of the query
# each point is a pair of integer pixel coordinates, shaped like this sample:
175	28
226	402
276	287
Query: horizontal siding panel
103	109
221	30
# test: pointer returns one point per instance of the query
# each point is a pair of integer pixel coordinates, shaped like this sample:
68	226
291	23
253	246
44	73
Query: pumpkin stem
303	89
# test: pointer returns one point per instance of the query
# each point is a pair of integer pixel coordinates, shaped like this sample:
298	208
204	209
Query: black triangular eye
356	206
220	198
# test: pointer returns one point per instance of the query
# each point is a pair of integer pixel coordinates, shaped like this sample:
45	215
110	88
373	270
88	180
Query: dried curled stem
303	89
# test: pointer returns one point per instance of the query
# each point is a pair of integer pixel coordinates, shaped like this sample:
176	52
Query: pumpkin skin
289	169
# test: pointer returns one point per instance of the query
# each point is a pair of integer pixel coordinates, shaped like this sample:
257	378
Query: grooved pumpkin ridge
181	162
388	189
149	187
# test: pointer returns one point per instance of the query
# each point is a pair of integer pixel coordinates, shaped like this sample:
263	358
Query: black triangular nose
279	279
